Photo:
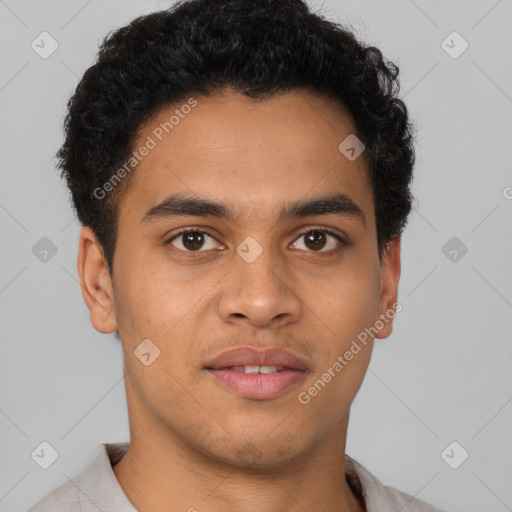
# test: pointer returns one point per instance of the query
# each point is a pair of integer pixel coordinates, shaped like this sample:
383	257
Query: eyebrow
338	204
180	205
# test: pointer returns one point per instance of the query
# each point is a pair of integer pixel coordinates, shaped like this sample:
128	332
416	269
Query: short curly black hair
257	47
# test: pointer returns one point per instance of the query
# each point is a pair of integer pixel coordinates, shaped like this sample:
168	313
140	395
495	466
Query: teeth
257	369
268	369
250	369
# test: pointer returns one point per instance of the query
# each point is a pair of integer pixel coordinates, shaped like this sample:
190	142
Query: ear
96	284
390	276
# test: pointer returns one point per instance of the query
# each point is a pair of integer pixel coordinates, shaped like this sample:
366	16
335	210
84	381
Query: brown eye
318	240
315	240
193	241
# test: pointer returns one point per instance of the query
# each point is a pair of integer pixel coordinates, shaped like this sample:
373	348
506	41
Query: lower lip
258	386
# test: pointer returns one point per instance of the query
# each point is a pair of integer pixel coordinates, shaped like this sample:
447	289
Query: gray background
444	374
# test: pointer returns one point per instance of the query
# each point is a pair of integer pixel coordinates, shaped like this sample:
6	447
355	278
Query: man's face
196	296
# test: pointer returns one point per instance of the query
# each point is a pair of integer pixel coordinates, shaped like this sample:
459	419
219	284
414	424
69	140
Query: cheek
343	359
347	305
164	392
346	301
152	297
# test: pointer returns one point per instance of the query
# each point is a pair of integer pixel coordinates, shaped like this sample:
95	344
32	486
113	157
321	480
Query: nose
259	294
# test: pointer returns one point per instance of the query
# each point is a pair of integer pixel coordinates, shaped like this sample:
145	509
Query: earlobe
390	277
96	283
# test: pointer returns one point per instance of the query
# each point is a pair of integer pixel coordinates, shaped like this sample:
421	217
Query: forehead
241	151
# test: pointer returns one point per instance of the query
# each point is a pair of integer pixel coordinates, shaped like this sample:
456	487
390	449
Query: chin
262	452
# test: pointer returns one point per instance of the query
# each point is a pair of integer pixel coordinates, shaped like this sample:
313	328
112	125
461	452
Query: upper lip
252	356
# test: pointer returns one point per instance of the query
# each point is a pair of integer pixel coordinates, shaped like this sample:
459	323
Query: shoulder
402	500
93	489
62	499
381	497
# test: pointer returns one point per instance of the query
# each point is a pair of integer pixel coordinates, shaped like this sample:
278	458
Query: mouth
257	374
252	369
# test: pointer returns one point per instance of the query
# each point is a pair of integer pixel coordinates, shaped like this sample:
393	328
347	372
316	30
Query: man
242	170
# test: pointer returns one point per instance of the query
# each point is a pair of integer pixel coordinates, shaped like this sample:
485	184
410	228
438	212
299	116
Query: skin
187	433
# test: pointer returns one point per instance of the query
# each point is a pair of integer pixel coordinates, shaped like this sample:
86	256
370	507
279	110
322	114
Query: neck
159	472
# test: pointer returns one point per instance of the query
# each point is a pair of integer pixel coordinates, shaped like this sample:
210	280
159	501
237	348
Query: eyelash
340	239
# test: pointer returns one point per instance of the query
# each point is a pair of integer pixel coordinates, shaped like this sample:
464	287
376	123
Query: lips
257	374
251	356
